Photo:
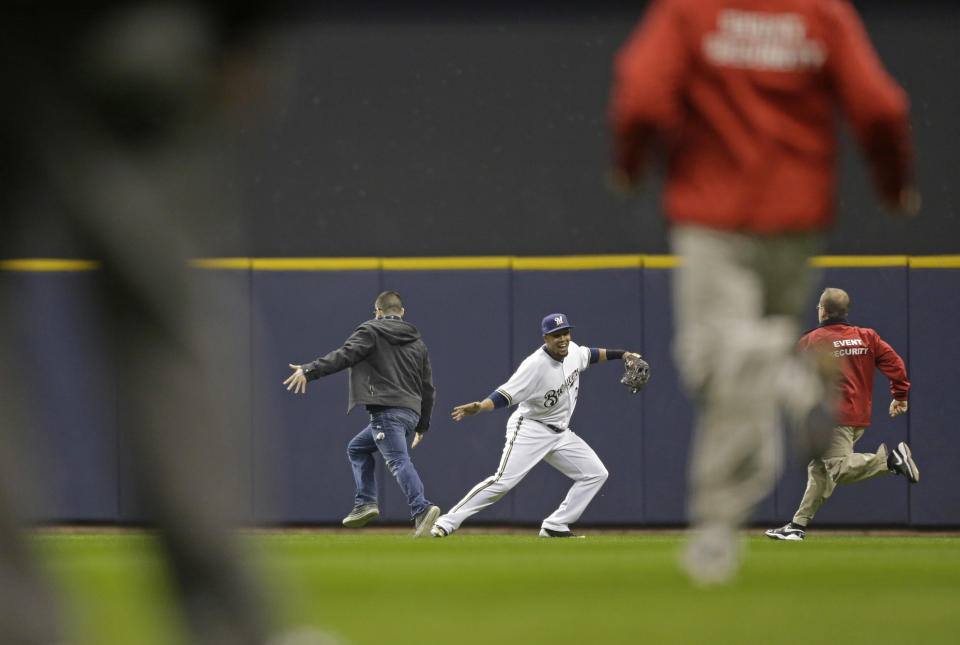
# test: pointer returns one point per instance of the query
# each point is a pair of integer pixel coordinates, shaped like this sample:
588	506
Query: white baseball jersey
546	389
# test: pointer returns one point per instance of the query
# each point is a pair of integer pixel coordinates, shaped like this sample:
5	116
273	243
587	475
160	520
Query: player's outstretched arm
296	381
470	409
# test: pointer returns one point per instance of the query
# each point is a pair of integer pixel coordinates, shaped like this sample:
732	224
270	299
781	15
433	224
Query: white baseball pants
529	442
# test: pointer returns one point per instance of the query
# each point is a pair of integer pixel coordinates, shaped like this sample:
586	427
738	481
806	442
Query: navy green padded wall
479	324
236	345
300	468
229	291
935	395
70	394
667	415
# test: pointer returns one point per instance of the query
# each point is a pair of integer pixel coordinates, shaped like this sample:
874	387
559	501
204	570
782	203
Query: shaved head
835	303
389	303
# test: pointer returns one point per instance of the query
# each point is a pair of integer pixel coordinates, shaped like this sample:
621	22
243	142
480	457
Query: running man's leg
360	451
858	466
822	473
733	340
395	424
820	486
840	465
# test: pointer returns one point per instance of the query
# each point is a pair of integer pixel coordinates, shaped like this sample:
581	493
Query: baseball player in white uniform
545	389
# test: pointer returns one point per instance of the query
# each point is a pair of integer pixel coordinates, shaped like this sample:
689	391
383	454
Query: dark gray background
481	130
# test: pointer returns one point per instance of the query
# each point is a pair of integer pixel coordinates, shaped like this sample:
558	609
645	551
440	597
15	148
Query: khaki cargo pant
839	465
738	302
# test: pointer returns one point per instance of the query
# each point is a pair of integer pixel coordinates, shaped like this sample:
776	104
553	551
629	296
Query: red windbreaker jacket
859	350
743	94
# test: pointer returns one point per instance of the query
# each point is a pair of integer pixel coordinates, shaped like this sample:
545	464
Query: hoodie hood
395	330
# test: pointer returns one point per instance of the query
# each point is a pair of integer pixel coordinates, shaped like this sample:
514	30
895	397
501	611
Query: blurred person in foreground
111	129
741	95
858	350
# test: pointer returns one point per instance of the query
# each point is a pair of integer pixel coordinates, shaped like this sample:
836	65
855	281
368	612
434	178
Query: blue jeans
396	424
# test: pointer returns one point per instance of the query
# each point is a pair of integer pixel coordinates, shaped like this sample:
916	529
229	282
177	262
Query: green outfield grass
504	589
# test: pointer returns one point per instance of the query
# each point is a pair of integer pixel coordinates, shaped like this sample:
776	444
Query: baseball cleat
438	531
788	531
360	515
900	461
424	521
550	533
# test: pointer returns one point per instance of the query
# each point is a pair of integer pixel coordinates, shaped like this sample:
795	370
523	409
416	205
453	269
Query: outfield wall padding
479	323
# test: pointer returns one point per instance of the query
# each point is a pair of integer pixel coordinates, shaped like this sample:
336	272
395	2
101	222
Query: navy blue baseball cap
554	322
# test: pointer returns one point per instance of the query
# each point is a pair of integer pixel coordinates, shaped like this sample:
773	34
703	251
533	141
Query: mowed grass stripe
504	589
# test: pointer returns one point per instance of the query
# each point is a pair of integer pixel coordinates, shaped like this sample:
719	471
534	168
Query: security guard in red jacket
858	351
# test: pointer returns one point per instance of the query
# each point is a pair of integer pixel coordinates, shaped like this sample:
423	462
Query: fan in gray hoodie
390	374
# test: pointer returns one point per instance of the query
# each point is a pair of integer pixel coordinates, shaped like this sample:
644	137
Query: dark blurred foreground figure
858	350
741	96
110	120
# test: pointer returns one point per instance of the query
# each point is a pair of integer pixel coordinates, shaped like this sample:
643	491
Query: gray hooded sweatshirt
389	366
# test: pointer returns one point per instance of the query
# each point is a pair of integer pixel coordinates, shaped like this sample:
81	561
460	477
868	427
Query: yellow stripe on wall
576	262
838	261
447	263
935	262
316	264
519	263
661	261
48	264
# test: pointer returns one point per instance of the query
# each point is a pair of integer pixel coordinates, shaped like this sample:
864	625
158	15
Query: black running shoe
788	531
900	461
